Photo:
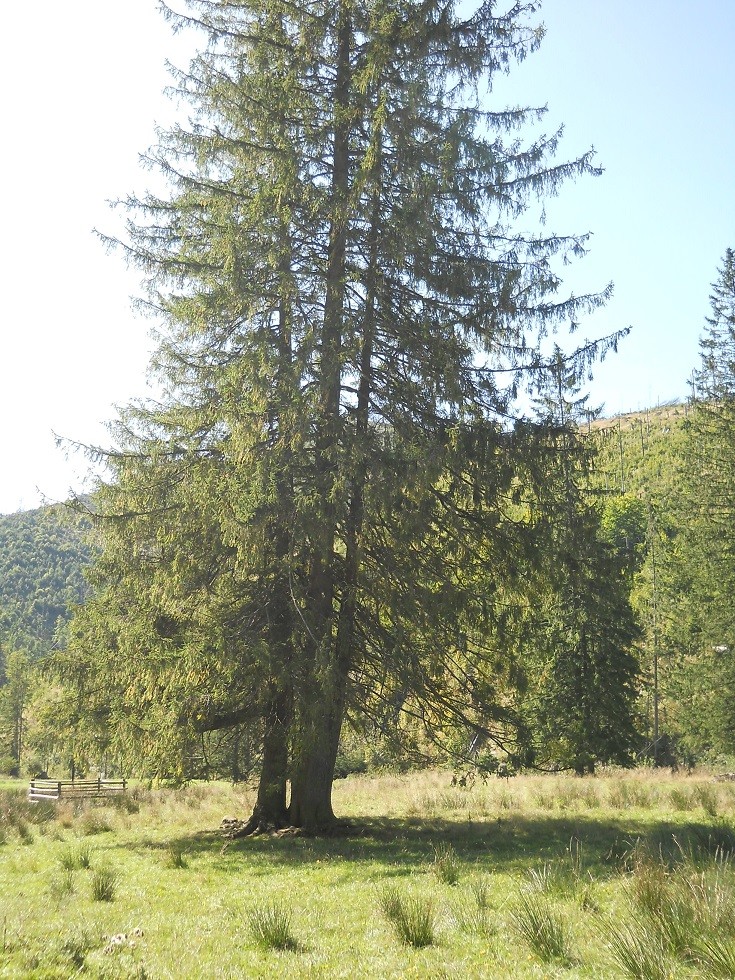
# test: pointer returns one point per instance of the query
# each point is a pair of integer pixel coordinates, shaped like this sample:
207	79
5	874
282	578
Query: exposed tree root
233	829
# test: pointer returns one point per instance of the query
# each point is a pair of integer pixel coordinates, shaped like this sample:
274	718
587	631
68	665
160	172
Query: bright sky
649	83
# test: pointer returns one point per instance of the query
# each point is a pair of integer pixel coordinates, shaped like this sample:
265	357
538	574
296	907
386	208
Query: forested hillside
662	480
42	559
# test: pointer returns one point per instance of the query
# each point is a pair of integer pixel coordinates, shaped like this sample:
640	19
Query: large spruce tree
318	515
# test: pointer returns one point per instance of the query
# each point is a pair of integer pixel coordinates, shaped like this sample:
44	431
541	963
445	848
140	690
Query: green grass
647	853
103	884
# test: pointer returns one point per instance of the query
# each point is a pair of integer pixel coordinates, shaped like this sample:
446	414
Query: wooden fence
75	789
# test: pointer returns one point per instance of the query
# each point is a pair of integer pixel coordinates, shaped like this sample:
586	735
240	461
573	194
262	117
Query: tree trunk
313	775
322	687
270	811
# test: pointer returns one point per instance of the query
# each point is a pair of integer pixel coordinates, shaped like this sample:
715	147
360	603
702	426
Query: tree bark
311	787
270	812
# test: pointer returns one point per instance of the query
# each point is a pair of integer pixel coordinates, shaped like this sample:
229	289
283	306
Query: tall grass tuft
62	884
411	917
676	923
649	885
77	857
104	882
541	927
716	954
270	927
73	946
176	855
472	911
708	798
714	896
94	821
480	892
637	950
23	830
446	864
717	840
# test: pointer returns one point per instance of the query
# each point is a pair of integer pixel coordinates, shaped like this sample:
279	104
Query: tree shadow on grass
509	844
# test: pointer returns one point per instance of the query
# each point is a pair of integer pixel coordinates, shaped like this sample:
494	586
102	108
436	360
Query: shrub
8	766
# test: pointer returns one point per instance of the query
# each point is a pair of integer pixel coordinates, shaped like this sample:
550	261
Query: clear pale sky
649	83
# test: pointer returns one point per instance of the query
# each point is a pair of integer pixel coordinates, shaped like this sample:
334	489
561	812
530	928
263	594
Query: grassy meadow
621	875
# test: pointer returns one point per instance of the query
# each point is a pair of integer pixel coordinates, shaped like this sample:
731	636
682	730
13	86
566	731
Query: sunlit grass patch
331	886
